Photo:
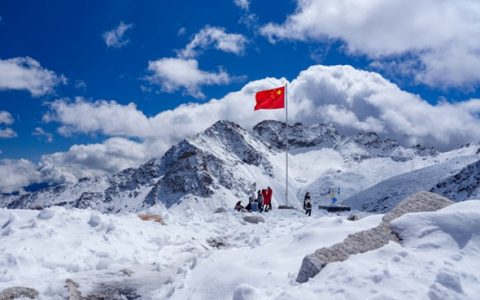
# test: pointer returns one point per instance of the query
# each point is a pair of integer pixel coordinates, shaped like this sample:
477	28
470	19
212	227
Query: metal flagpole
286	140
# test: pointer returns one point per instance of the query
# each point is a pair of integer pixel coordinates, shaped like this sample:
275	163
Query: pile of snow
41	249
179	260
371	239
220	256
438	260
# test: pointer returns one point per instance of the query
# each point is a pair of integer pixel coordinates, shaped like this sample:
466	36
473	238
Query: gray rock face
196	166
18	292
462	186
72	290
371	239
253	219
272	133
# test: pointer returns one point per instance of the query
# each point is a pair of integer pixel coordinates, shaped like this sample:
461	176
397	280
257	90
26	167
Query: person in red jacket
265	199
269	196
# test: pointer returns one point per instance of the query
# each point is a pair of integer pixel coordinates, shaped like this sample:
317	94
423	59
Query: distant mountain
385	195
461	186
227	163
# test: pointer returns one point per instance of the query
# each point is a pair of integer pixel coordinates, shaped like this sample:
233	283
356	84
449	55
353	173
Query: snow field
438	258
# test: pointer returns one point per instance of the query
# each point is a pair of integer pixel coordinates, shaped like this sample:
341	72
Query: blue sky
281	39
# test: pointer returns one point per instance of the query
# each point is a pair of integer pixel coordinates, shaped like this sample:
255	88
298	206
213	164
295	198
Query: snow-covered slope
450	169
199	255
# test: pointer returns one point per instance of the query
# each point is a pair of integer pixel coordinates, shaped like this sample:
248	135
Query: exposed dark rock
353	217
127	272
220	210
216	242
18	292
273	133
72	290
104	291
462	185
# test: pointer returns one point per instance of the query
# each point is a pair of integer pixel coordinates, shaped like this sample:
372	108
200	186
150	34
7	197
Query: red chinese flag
270	99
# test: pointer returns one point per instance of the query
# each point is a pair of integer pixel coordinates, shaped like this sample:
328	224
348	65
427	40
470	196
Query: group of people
262	202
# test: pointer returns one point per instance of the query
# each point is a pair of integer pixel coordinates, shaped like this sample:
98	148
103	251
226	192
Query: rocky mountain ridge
225	158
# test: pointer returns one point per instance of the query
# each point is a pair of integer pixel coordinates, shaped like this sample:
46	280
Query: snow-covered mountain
461	186
455	175
199	166
227	163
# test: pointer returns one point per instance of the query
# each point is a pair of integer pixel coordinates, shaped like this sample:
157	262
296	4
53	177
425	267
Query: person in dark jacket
260	201
240	207
307	204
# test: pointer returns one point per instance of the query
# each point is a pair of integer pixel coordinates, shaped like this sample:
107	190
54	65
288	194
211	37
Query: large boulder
371	239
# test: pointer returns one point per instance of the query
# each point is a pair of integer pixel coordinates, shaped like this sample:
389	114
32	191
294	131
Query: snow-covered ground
41	249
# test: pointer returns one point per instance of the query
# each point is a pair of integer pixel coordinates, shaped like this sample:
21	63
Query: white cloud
41	134
25	73
350	98
443	36
106	117
6	118
80	85
181	31
354	99
243	4
111	156
7	133
116	37
173	74
182	72
217	38
16	174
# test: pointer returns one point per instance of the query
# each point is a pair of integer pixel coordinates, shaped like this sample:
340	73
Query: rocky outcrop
371	239
113	290
18	293
253	219
461	186
72	290
273	134
220	210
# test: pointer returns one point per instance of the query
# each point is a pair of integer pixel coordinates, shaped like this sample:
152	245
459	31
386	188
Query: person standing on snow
269	196
260	200
307	204
265	199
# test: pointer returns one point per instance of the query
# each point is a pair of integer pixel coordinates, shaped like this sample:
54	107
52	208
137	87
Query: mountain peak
274	134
